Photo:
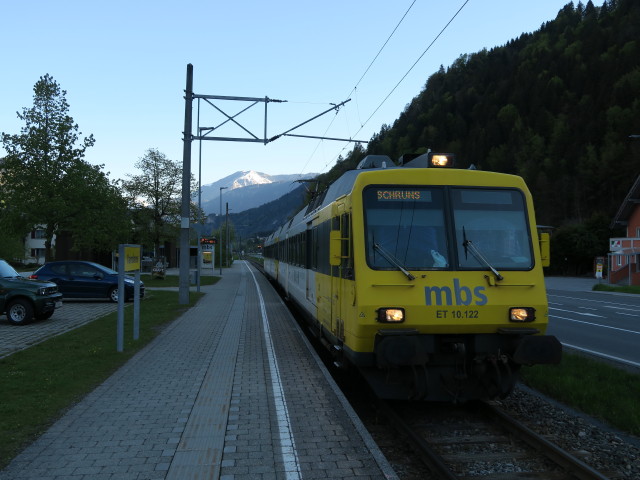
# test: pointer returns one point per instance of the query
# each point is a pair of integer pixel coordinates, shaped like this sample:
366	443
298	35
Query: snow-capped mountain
247	189
250	178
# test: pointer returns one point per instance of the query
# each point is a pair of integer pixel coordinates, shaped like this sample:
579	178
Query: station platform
230	390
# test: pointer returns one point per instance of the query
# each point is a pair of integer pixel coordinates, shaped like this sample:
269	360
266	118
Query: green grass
591	386
256	258
38	384
174	280
605	287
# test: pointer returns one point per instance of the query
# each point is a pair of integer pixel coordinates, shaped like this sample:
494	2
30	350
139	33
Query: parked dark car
80	279
23	299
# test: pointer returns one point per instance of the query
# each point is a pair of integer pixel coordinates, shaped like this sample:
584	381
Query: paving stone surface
230	390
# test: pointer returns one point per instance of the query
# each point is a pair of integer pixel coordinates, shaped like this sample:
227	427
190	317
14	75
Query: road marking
578	313
605	303
634	309
600	354
598	325
288	445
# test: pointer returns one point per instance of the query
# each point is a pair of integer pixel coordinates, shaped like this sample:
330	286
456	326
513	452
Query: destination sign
401	195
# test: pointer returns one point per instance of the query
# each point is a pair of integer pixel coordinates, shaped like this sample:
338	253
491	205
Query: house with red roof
624	253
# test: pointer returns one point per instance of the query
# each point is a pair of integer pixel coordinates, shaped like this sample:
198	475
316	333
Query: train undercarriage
451	368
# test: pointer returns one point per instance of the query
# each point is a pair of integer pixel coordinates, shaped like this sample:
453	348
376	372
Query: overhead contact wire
414	64
382	48
363	75
410	69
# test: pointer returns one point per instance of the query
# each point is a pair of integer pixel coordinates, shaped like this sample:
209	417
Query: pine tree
44	175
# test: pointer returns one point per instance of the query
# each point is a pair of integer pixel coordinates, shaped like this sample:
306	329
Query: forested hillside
556	107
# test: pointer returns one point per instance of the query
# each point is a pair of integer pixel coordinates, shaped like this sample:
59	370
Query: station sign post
208	248
129	260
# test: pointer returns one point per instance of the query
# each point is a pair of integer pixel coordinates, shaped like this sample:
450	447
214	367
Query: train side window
308	248
323	247
314	249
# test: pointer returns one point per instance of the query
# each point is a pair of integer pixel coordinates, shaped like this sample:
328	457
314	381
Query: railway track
481	441
464	443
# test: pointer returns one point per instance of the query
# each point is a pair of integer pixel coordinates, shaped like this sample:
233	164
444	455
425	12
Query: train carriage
426	278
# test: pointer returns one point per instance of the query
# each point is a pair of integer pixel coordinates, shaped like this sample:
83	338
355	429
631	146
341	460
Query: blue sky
123	65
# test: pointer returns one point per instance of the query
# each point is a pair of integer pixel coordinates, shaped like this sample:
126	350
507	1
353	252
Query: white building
34	246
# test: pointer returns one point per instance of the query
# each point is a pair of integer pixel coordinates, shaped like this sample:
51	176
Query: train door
336	280
339	269
286	268
276	259
310	267
347	275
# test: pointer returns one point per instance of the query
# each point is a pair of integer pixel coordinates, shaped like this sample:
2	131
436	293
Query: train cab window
491	223
405	226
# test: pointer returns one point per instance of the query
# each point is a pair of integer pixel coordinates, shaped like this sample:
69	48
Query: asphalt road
603	324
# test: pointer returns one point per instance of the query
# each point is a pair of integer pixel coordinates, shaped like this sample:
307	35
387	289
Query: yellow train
425	277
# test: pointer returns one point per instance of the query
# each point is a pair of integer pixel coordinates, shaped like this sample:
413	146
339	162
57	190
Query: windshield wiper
468	245
393	261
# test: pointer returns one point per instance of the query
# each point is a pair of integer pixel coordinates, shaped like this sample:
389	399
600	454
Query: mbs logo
459	295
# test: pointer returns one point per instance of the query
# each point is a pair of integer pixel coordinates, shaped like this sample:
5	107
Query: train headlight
441	160
522	314
391	315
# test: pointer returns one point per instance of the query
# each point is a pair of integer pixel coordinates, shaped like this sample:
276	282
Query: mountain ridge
247	189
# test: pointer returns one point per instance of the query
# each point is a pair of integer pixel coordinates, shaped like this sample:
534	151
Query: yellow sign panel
131	258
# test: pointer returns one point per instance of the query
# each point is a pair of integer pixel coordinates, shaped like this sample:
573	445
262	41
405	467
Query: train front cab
448	295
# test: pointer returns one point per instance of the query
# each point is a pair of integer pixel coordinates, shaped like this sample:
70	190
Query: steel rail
572	464
433	460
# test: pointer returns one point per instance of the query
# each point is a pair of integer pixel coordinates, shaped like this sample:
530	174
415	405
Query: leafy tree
575	246
155	198
10	246
99	195
48	181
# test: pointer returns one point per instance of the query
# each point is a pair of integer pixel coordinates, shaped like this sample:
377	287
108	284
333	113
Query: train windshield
405	228
491	229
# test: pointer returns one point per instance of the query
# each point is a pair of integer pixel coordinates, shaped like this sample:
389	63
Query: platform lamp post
183	294
226	229
220	246
200	222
